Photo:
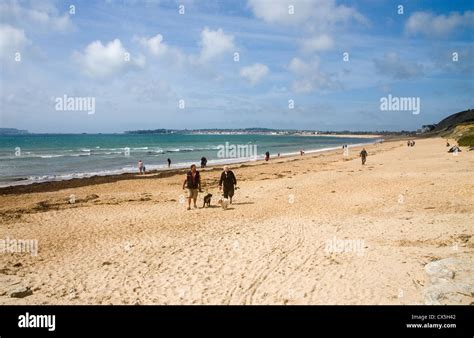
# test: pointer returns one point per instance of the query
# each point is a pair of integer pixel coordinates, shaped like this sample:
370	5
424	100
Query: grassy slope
463	134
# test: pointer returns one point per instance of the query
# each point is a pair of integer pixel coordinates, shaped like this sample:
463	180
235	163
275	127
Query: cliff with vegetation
459	126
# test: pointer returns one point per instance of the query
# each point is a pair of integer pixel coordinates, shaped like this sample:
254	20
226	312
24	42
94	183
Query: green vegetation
466	141
463	134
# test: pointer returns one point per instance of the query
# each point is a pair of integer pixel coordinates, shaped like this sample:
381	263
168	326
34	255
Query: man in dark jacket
228	181
363	156
193	183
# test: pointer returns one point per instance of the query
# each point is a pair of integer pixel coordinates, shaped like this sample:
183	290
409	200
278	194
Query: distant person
169	162
413	143
203	162
267	156
345	150
228	181
141	167
363	155
408	143
301	152
193	183
454	149
278	155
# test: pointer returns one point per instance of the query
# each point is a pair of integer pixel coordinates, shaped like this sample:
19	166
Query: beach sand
133	242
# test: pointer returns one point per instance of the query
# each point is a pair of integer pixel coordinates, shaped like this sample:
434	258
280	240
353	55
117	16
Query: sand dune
318	229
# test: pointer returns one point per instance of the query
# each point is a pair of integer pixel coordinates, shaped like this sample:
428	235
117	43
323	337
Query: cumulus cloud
12	40
254	73
100	61
155	45
158	48
310	77
40	15
324	12
431	25
391	65
318	43
215	43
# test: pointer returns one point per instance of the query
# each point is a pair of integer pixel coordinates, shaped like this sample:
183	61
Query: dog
207	200
224	203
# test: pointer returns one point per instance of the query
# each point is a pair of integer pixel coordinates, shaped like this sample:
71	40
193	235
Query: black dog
207	200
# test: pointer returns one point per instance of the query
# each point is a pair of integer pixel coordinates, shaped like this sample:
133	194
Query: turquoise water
36	158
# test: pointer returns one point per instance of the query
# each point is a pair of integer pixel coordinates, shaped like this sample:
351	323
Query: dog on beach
224	203
207	200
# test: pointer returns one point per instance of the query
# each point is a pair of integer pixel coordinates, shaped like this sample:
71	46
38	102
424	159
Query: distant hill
454	120
459	126
12	131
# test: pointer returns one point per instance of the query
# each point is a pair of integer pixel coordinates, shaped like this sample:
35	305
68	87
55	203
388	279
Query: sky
286	64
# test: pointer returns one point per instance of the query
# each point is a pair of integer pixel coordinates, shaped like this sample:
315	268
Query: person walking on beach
169	162
141	167
267	156
193	183
228	181
203	162
363	155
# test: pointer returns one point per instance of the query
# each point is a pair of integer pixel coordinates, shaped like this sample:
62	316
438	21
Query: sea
31	158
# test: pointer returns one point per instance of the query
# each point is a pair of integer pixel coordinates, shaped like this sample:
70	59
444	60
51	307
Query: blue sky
138	59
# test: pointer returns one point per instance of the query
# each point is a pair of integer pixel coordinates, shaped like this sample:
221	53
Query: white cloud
158	48
40	15
300	67
155	45
278	11
215	43
391	65
310	77
324	12
100	61
318	43
254	73
12	40
429	24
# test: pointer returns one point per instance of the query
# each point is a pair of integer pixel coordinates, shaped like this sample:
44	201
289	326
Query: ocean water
45	157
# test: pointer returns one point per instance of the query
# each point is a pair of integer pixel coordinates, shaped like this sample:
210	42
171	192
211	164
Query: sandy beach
317	229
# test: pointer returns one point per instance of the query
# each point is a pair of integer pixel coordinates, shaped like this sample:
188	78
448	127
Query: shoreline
362	136
22	187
